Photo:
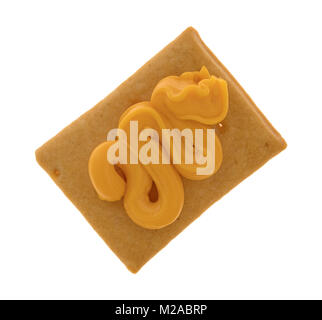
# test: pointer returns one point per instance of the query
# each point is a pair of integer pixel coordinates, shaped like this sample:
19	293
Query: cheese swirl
153	192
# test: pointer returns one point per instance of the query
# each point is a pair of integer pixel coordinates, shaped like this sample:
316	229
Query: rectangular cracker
248	140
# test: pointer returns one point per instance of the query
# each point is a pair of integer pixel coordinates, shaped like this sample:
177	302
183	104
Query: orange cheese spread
153	190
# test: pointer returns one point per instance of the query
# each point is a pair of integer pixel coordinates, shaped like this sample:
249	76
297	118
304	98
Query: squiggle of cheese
195	100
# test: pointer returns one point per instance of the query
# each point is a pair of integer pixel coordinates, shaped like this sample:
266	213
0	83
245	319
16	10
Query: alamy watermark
168	150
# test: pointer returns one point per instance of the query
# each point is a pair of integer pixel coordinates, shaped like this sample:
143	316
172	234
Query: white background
262	240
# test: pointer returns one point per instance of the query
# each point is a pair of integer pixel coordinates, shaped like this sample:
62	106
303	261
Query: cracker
248	140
